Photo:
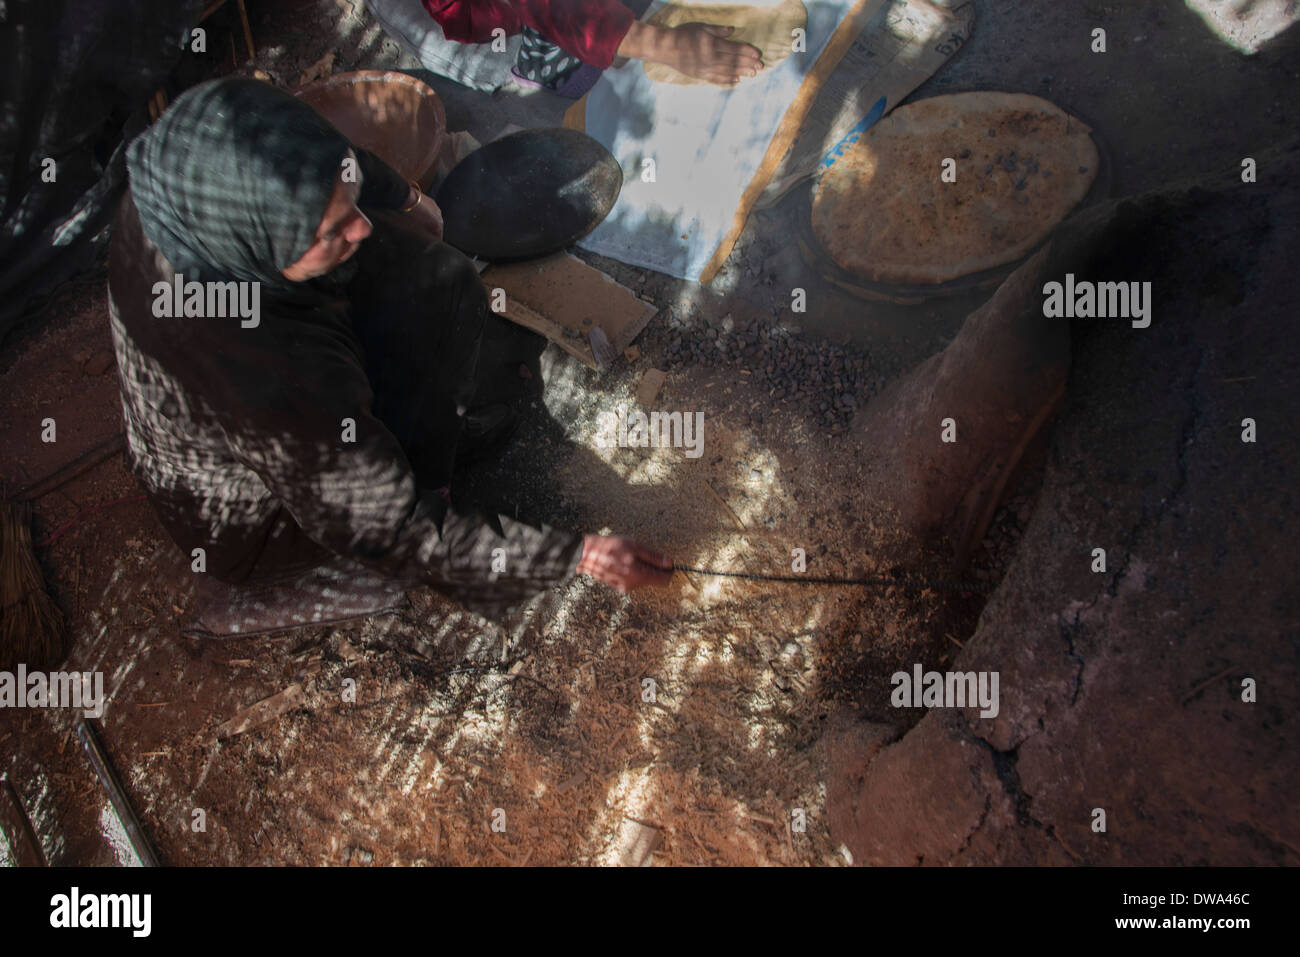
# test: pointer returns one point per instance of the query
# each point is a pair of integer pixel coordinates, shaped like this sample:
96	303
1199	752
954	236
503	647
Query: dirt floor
681	727
546	717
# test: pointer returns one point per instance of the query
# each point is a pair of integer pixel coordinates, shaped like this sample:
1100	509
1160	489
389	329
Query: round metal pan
528	194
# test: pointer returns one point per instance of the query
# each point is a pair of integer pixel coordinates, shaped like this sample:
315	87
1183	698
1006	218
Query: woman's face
340	233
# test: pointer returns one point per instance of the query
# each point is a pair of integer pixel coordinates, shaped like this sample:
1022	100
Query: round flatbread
883	212
770	29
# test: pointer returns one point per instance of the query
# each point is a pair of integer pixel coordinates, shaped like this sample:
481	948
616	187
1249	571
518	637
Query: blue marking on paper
855	134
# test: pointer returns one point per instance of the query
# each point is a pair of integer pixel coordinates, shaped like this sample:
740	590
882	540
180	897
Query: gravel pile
829	382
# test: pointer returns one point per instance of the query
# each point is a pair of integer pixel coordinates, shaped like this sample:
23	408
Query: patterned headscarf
233	180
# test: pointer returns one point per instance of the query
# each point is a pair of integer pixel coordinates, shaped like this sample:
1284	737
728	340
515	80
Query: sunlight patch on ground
1246	25
627	798
115	834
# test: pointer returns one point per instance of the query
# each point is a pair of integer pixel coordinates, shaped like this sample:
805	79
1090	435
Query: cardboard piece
647	390
875	54
563	298
637	843
902	46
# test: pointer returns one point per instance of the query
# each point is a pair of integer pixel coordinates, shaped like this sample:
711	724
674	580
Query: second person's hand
703	51
699	50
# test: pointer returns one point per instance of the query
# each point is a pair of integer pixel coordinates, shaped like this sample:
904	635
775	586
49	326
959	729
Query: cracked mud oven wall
1123	690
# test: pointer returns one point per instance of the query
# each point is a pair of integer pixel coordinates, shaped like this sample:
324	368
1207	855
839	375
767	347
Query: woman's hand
700	50
622	563
425	214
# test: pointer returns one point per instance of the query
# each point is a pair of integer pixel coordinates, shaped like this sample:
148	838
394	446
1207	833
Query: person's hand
700	50
426	216
622	563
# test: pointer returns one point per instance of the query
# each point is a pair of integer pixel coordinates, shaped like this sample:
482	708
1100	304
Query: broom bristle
31	626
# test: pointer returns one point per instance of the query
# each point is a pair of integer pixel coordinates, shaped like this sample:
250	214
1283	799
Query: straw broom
32	629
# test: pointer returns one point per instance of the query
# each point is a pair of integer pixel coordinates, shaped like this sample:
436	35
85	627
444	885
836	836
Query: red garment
590	30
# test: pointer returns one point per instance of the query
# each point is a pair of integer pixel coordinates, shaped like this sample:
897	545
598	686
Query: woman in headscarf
328	425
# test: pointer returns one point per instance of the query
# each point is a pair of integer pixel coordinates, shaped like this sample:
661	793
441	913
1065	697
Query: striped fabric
278	446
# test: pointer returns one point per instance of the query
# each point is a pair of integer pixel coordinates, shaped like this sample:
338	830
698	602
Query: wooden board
563	298
24	846
647	390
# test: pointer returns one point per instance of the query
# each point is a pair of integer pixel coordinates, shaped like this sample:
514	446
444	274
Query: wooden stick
580	349
116	793
723	502
248	32
26	846
66	473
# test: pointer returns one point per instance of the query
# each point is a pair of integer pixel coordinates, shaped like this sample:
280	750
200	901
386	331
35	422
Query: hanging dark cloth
75	76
